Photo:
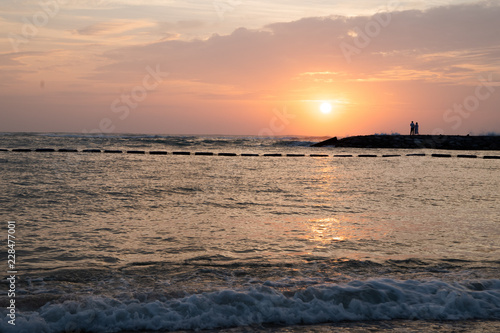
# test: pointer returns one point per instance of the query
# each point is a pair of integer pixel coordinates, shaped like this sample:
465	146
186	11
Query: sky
239	67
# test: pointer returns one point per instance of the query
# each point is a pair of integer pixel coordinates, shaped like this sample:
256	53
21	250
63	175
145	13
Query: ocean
145	242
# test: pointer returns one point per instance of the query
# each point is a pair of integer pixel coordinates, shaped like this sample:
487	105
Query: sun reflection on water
327	230
340	236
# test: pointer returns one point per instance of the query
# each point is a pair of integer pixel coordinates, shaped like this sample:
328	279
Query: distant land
452	142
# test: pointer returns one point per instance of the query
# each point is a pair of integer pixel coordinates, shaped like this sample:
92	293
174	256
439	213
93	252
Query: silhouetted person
416	128
412	128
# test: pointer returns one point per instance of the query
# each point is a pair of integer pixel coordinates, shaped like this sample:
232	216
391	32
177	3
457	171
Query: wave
150	140
381	299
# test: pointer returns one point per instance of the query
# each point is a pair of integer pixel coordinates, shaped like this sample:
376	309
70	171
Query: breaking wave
268	303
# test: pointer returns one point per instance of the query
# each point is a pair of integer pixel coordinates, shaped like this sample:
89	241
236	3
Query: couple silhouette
413	128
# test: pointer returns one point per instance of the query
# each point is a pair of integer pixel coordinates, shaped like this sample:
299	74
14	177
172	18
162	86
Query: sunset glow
100	67
325	108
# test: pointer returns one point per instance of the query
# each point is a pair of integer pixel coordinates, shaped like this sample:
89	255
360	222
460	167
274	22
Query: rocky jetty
452	142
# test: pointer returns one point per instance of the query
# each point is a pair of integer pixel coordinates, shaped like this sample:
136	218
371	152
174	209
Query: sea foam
382	299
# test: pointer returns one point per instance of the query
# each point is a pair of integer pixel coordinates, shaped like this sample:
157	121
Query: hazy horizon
291	135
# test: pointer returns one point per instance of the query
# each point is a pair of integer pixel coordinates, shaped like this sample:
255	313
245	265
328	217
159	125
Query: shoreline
448	142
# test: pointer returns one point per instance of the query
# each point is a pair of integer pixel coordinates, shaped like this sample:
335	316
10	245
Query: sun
326	108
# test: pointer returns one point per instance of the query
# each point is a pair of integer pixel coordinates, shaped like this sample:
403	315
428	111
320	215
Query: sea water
142	242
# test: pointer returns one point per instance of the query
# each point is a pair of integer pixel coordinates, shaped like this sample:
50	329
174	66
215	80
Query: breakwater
449	142
228	154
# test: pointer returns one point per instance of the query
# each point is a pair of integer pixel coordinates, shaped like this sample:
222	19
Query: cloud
459	40
113	27
11	59
13	67
182	25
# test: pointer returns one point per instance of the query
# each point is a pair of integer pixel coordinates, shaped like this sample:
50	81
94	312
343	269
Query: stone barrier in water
441	155
161	152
